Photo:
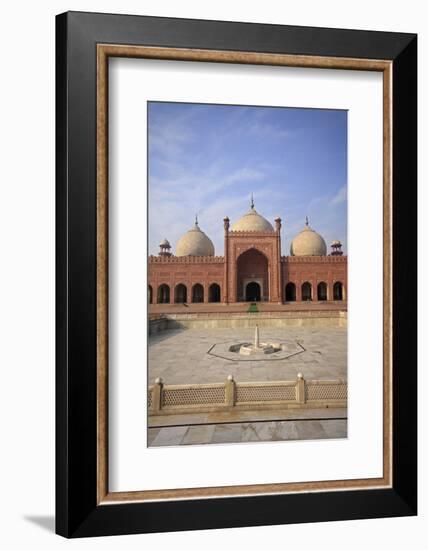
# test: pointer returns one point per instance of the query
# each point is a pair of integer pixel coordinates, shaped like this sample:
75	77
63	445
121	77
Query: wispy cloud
340	196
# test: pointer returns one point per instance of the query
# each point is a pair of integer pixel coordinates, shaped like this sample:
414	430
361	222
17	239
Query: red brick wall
315	269
205	270
188	271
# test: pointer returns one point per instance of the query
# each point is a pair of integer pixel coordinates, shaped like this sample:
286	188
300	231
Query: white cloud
340	196
174	202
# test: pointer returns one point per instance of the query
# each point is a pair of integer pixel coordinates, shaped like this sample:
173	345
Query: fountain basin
256	351
250	349
230	350
257	347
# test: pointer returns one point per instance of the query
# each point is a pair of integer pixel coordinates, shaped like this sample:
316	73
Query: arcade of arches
251	291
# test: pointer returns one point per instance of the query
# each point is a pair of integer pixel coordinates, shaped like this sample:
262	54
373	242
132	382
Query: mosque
252	268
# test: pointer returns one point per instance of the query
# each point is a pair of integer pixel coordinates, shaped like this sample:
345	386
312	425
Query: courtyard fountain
257	347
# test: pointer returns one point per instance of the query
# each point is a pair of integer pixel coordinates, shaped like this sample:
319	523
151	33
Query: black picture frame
77	511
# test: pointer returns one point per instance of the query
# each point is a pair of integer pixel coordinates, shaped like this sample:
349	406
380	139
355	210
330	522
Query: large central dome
252	221
195	243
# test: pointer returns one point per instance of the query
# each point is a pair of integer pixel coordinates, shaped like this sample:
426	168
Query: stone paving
248	431
239	416
180	356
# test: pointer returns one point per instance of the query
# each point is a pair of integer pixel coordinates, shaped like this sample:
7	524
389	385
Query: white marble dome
194	243
252	221
308	243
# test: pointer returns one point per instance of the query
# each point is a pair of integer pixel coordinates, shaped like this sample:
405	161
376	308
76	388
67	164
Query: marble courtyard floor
241	432
180	356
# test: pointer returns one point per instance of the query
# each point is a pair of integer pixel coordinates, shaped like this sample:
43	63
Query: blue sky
208	159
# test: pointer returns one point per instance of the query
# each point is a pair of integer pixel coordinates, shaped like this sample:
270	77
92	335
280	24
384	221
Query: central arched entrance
252	292
252	277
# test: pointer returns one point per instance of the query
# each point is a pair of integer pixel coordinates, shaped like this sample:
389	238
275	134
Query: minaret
336	248
226	224
165	248
278	225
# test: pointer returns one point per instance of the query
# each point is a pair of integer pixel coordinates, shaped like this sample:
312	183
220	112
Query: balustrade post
229	391
157	395
300	389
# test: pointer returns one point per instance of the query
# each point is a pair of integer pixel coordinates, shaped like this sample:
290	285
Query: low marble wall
208	321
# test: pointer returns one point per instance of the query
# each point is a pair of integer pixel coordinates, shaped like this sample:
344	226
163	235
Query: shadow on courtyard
165	334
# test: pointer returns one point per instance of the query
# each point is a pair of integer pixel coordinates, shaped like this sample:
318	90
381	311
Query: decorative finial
196	219
307	221
252	202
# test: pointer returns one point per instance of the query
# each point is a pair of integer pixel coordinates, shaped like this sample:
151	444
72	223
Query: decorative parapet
186	260
311	259
252	233
195	398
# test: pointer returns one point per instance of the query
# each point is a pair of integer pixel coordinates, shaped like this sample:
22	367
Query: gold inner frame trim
104	51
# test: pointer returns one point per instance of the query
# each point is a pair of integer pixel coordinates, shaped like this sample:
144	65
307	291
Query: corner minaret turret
165	248
336	248
226	225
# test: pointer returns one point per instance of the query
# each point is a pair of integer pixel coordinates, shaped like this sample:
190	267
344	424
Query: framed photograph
236	274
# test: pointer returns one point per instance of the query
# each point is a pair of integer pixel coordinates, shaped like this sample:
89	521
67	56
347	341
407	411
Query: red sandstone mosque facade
252	268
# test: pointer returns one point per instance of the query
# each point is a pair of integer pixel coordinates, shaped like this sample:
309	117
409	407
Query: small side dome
164	242
195	243
308	243
252	221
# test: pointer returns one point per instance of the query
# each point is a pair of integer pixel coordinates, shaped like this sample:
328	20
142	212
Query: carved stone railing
230	395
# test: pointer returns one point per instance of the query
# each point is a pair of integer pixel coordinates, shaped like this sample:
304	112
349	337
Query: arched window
306	292
150	295
163	294
180	294
197	293
322	291
337	291
214	293
290	292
